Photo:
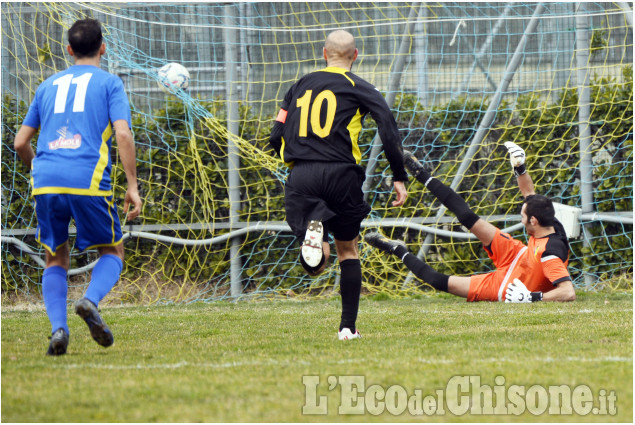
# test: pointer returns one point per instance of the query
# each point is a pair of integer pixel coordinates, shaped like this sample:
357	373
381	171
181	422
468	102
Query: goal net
555	78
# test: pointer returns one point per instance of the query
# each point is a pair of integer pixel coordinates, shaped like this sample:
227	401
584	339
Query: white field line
615	359
262	363
184	364
526	309
512	310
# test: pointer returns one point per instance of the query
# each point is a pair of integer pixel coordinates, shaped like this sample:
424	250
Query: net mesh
213	225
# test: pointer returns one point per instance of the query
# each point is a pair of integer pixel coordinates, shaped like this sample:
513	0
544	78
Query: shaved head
340	45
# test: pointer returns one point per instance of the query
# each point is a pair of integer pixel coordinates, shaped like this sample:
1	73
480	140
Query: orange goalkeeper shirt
540	265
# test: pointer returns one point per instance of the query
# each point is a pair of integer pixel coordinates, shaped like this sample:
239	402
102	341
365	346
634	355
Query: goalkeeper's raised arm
517	159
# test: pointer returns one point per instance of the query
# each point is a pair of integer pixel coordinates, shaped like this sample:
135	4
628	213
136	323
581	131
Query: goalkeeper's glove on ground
517	292
516	158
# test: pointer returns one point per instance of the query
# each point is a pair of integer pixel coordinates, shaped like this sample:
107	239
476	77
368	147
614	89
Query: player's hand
517	292
402	194
516	154
132	198
516	158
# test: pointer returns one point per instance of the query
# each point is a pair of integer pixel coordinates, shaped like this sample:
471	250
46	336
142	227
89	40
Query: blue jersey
74	110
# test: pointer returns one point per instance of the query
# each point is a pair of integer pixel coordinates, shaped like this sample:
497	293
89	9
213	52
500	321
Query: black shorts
327	191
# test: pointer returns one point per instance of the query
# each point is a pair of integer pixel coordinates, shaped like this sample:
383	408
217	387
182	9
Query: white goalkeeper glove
517	292
516	158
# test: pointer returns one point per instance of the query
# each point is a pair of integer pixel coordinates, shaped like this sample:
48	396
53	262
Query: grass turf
245	362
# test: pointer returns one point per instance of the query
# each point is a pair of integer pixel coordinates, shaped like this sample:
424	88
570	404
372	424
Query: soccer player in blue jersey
316	134
77	111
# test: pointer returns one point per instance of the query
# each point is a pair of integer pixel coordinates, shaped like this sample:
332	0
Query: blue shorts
95	218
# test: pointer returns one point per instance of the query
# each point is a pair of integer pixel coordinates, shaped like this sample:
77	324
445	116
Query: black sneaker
416	169
98	328
381	242
59	342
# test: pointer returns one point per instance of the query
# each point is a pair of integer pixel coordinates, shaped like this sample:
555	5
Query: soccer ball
173	77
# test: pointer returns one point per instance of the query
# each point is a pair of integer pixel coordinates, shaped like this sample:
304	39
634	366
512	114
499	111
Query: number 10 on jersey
313	109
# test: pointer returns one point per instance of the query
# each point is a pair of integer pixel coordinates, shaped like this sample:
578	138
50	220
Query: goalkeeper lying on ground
525	273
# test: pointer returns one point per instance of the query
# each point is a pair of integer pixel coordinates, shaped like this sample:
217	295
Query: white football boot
312	246
345	334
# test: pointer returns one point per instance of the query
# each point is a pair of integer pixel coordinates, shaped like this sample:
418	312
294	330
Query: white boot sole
312	246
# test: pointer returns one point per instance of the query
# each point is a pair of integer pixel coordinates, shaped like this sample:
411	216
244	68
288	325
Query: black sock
423	271
350	289
453	202
400	251
422	175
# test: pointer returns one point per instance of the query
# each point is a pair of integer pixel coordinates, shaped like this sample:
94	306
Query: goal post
460	79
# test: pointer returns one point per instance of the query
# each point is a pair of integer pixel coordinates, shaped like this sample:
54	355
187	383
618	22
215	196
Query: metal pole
393	85
563	47
7	46
245	15
628	12
203	32
421	55
584	114
233	158
486	45
483	128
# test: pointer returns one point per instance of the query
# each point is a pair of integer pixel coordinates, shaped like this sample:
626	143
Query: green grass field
246	361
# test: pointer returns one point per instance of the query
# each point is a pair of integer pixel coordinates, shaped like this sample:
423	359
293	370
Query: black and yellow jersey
321	118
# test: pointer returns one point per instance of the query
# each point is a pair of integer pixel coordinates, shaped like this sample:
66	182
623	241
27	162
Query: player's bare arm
125	141
517	292
22	144
564	292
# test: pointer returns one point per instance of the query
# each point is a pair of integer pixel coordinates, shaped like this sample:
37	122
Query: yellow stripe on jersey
340	71
98	174
354	128
71	191
288	164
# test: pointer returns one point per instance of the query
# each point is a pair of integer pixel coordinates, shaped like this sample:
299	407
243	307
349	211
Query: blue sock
105	275
54	291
